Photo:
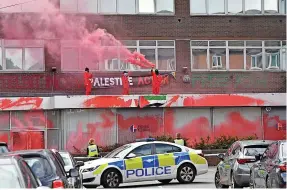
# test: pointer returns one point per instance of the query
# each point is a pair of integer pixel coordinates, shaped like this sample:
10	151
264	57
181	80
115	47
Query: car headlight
90	169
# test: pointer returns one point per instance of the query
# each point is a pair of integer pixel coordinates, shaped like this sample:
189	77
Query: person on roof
126	83
88	81
156	81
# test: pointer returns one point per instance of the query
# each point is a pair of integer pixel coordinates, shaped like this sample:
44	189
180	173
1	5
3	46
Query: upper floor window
238	55
161	53
248	7
118	6
22	55
14	6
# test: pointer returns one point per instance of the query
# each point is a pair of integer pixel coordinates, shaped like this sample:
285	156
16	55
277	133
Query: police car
144	161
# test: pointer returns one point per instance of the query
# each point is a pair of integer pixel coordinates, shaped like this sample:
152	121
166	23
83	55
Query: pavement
201	181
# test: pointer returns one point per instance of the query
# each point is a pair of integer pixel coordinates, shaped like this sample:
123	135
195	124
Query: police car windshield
115	152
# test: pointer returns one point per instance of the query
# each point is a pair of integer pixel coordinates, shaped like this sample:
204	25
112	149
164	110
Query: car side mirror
131	155
220	156
74	172
79	164
257	157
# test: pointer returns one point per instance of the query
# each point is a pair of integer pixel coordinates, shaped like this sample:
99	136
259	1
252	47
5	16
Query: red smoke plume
51	24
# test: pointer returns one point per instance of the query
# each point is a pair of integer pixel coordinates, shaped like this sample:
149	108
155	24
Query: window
217	58
238	55
69	5
237	6
126	6
253	6
76	58
271	6
198	6
199	59
108	6
165	6
254	59
273	150
40	167
87	6
272	59
254	150
165	148
216	7
118	6
21	56
146	6
236	59
143	150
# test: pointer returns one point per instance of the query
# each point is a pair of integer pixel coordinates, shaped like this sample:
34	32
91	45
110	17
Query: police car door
140	167
165	160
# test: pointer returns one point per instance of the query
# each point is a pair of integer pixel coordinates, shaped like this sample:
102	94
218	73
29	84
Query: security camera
268	109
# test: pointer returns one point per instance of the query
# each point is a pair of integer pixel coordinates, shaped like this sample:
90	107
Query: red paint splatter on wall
222	100
108	102
78	140
35	103
236	125
173	100
193	130
271	130
145	126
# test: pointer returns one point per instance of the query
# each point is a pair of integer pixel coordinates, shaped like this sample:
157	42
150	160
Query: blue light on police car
145	140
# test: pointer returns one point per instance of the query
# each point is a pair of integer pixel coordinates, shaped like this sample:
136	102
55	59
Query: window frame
243	47
280	8
17	44
137	47
117	8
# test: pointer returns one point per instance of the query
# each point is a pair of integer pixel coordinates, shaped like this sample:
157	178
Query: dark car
70	163
270	170
47	167
15	173
234	168
3	147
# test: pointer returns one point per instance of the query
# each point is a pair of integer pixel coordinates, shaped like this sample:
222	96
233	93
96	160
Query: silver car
69	164
234	167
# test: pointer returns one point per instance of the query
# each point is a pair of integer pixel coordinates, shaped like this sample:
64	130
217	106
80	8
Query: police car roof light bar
145	140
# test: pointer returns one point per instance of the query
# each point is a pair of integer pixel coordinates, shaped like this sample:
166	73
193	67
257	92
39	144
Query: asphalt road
201	181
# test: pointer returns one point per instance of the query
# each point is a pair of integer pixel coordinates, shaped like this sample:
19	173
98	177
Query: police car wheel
111	179
165	181
186	173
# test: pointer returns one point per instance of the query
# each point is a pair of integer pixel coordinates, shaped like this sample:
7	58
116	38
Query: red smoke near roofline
52	24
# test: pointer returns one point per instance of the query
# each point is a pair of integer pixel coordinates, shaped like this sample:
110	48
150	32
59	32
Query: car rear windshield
284	152
254	150
3	149
9	177
40	167
67	159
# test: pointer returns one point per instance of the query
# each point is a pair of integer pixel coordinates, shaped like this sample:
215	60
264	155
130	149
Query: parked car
70	163
234	167
145	160
3	147
270	171
15	173
47	167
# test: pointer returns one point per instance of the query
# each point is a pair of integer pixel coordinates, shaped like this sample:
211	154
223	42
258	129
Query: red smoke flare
51	24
